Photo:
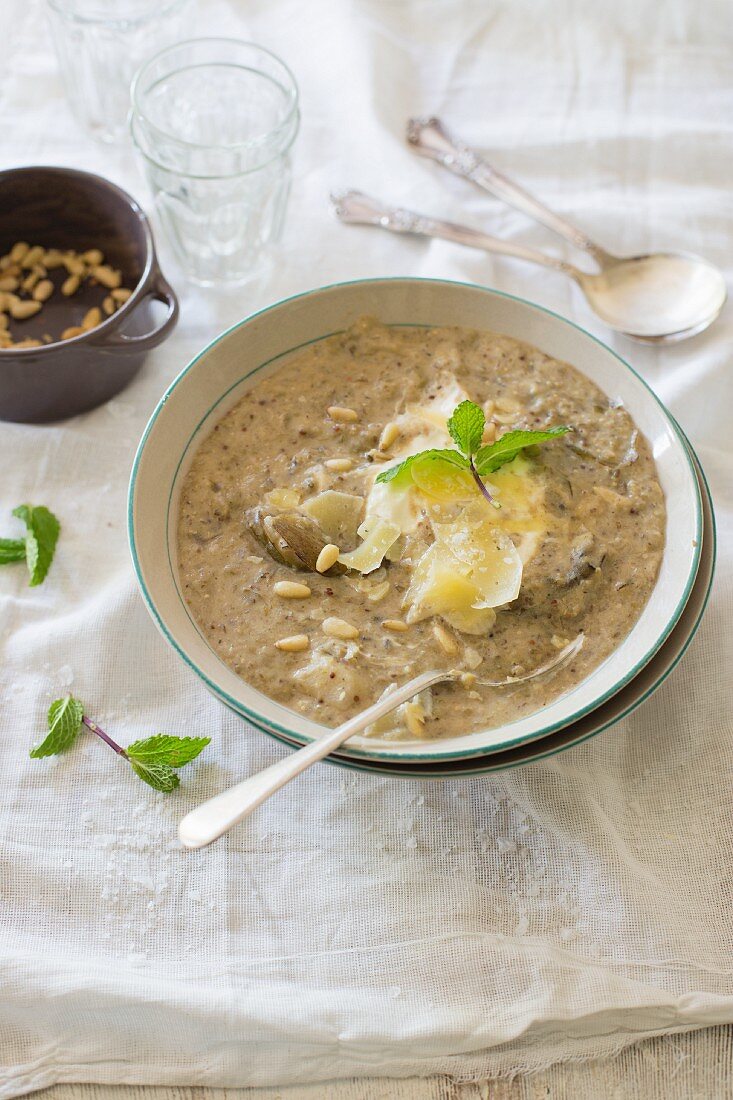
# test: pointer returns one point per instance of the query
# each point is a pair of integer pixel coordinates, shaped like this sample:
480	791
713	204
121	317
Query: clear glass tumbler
214	121
100	44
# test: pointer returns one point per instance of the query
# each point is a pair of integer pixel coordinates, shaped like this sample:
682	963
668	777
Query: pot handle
160	290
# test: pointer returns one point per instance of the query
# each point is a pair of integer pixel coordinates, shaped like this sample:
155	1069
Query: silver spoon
658	297
216	816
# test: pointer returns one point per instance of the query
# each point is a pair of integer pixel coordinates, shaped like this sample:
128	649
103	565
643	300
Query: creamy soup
322	587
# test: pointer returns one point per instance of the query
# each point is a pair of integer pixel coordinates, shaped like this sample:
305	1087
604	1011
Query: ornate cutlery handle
360	209
430	139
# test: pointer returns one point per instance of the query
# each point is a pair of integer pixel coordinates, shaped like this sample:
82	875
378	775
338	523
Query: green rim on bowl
437	751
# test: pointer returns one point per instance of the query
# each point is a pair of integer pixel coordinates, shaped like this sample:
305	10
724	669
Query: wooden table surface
694	1066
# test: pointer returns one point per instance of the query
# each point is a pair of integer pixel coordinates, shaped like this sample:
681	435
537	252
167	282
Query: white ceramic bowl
239	358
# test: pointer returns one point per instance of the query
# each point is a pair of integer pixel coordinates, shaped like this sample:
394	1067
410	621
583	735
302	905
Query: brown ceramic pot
66	209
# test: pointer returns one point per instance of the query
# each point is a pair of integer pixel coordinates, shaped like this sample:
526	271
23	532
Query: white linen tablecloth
359	925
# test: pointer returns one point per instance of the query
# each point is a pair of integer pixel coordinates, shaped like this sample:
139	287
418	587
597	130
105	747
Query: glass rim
65	9
136	108
208	176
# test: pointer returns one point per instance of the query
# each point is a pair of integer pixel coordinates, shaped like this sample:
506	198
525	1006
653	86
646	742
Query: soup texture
322	586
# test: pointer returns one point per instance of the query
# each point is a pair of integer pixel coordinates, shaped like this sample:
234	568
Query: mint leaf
400	474
152	759
466	427
163	748
40	541
64	722
158	776
494	455
11	550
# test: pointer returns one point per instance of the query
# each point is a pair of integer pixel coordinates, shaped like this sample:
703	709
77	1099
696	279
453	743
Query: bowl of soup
305	537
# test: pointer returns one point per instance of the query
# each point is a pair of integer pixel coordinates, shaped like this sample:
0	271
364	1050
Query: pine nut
296	643
340	465
327	557
445	640
92	318
74	330
121	293
3	320
390	433
43	290
18	251
29	342
291	590
53	258
489	435
339	628
107	276
507	404
22	310
8	282
395	624
30	281
342	415
93	256
108	305
32	257
70	285
74	265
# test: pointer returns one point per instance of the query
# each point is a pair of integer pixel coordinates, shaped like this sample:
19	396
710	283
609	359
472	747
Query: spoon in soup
658	298
216	816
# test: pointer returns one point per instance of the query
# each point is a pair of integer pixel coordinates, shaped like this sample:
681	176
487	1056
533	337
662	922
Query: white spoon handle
215	817
430	139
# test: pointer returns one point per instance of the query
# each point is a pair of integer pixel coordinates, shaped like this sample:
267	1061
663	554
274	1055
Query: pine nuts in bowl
79	280
30	275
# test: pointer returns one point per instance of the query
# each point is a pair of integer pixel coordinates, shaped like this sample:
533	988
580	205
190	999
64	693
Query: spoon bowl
657	297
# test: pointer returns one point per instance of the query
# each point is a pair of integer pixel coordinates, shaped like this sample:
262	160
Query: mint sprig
466	427
39	545
154	759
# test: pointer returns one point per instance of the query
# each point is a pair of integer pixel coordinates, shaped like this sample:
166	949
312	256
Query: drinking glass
99	45
214	121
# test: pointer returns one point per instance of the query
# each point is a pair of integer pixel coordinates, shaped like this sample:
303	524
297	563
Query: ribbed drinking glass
101	43
214	121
